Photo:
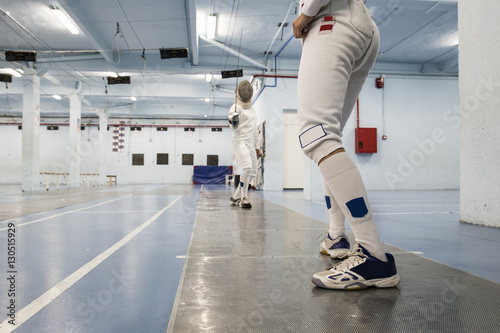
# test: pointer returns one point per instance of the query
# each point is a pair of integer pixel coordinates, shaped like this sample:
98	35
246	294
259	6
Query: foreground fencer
340	45
243	121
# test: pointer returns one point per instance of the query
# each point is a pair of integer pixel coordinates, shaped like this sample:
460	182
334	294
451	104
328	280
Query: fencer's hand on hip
300	25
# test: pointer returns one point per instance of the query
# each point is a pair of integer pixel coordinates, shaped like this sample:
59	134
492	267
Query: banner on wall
118	136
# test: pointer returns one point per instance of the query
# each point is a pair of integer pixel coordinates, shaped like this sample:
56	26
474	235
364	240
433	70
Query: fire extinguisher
379	82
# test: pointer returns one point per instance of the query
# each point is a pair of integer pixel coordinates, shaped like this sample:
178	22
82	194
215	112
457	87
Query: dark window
213	160
187	159
137	159
162	159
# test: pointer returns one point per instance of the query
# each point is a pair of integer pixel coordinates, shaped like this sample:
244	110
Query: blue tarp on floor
211	174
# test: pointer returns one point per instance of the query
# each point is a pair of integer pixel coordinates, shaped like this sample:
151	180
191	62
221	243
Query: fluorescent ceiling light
453	40
133	98
211	26
209	77
15	72
57	97
112	74
68	23
207	99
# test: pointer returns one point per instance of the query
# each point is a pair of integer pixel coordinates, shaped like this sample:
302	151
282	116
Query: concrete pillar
74	158
479	111
31	134
104	149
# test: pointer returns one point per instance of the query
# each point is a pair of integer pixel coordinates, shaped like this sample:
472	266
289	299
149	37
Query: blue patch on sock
328	203
242	184
357	207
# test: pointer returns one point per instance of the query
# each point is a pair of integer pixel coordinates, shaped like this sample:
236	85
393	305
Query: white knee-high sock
237	192
244	181
345	183
337	218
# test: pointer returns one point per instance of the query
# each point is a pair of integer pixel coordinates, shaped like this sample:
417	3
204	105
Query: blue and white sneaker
244	203
338	248
360	271
234	202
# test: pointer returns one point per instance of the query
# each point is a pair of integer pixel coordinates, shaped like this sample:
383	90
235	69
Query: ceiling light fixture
14	72
66	20
57	97
211	26
207	99
209	77
133	98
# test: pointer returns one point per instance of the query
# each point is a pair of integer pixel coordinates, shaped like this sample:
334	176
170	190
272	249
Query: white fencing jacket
246	130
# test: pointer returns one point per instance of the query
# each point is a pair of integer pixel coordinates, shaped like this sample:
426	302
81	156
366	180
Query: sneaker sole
246	206
389	282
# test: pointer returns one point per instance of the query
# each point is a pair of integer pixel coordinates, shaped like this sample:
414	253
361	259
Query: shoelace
356	257
324	234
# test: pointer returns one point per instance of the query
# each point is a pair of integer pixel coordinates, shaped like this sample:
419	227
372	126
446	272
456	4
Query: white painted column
74	156
313	181
31	134
103	140
479	111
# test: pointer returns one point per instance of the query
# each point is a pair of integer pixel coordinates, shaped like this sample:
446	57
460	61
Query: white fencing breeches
247	159
338	53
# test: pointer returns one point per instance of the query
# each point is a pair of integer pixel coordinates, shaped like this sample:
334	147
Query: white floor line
61	214
175	306
31	309
415	205
416	213
117	212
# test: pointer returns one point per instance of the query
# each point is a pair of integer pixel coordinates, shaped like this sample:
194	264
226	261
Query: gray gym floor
178	258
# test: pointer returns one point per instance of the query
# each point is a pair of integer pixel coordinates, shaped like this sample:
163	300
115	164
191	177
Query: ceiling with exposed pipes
124	38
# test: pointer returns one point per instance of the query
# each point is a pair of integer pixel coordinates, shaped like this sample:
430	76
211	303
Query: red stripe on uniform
326	27
327	18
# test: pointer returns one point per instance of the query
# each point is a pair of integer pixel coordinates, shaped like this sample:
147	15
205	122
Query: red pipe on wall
124	125
357	114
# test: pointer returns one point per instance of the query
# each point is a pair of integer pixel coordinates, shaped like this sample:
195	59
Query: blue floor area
132	290
424	222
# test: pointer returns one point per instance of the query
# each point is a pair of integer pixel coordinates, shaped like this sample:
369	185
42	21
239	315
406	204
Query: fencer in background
243	121
340	45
